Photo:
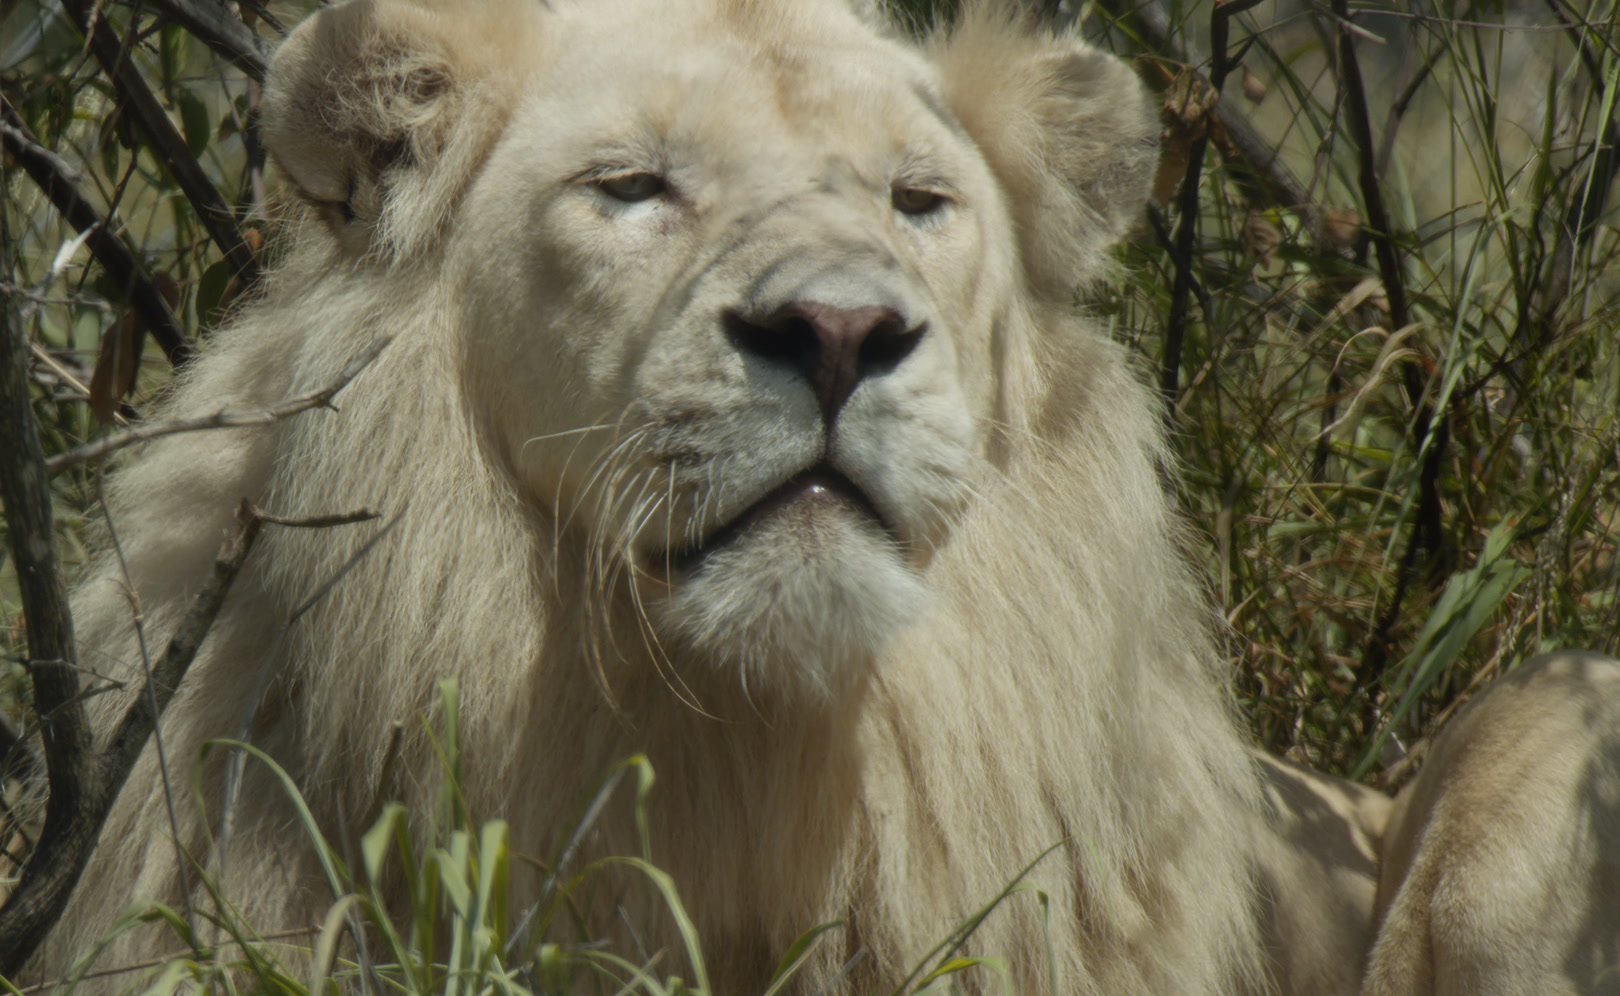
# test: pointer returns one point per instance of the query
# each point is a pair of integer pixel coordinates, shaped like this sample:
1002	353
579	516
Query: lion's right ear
380	111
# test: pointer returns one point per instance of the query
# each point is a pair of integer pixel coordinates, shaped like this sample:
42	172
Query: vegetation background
1380	293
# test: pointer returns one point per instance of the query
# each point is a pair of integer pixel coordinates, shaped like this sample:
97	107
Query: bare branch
316	521
1378	224
56	178
83	783
129	739
321	398
1428	434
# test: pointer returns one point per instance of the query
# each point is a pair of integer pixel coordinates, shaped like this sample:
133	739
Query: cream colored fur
872	710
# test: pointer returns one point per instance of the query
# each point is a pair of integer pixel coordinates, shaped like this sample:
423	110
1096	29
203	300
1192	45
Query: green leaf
195	123
172	977
174	45
332	930
210	289
796	953
955	965
452	862
494	875
1468	602
374	845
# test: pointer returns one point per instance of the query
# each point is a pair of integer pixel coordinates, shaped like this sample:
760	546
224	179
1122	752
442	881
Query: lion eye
917	200
632	187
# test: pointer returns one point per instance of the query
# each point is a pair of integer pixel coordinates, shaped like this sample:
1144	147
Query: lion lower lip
820	485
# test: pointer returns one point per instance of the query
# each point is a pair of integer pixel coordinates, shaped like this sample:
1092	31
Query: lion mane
641	264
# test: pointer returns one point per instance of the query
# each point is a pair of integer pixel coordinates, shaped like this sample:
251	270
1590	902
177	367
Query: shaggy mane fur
1058	687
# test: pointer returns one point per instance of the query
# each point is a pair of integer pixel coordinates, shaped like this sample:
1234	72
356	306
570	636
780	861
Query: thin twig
226	941
1187	222
55	866
129	739
138	621
1397	111
57	179
317	521
321	398
83	784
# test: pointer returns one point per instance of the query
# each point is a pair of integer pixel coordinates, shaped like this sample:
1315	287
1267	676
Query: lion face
730	289
750	365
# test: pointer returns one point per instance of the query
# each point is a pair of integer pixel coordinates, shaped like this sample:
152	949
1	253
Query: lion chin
737	413
808	581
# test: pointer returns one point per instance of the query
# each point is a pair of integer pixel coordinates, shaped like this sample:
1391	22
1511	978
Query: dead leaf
119	361
1188	114
1339	231
1254	88
1261	237
254	240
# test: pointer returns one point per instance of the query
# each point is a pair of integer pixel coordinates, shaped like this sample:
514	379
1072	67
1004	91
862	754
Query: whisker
568	432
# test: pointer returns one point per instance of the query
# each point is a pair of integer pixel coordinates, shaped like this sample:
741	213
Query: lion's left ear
1068	131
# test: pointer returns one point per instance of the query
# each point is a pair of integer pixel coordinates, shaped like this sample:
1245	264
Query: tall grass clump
414	910
431	912
1408	465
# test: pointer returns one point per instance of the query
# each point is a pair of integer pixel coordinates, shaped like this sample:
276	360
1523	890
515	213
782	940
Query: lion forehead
759	86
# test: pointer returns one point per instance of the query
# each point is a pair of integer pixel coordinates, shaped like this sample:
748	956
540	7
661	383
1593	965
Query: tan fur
874	711
1501	869
1316	848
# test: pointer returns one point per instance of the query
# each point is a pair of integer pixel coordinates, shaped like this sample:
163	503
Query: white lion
736	413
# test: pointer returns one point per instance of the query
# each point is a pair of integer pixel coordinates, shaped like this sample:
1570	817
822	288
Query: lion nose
833	348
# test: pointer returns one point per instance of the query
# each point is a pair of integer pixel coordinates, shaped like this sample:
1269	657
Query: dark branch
216	27
1187	221
129	739
166	141
316	521
56	179
1360	121
74	782
1428	524
85	783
